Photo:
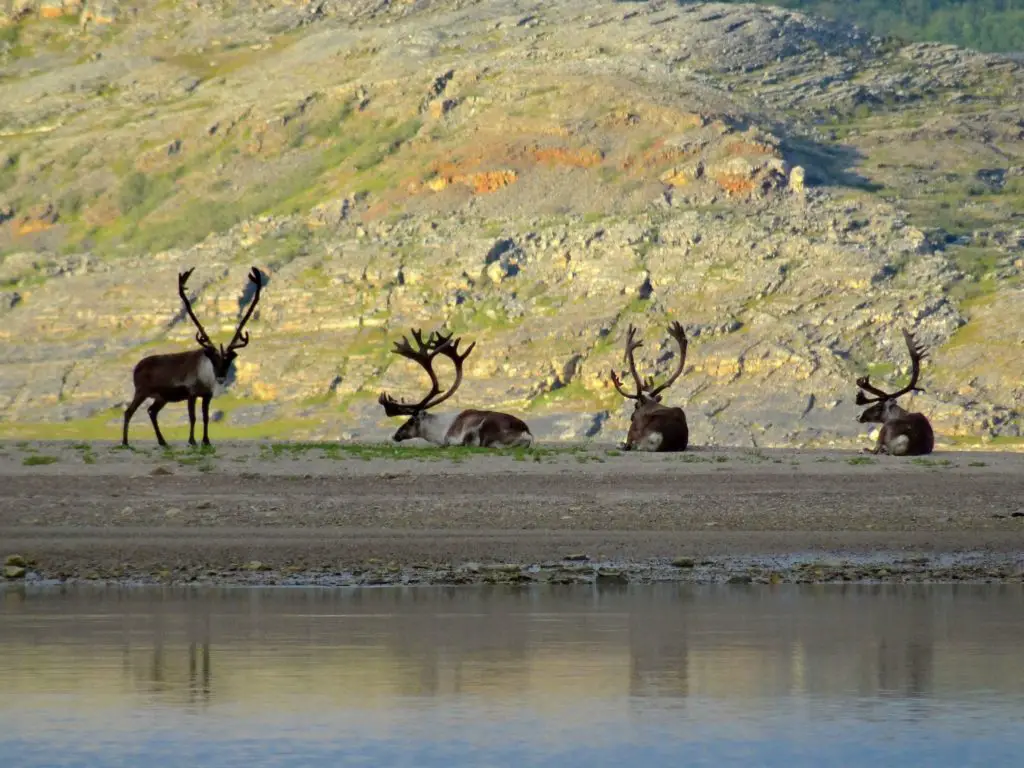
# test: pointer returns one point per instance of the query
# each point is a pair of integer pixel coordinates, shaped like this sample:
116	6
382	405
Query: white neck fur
434	427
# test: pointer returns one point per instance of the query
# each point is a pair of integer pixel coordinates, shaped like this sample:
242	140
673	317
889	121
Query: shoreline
376	515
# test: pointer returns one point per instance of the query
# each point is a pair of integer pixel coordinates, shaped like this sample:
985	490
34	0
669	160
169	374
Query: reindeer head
424	353
883	406
647	394
221	358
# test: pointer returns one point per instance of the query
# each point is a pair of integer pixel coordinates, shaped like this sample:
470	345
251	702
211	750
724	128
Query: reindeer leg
192	421
129	412
206	421
879	445
154	409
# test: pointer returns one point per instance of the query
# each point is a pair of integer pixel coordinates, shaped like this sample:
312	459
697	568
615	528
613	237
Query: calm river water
629	676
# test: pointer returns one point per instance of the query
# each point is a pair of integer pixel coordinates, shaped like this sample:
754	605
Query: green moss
32	461
880	370
861	460
923	462
315	277
330	126
387	144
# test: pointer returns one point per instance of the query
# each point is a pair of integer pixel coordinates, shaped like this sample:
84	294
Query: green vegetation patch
923	462
857	460
39	460
986	25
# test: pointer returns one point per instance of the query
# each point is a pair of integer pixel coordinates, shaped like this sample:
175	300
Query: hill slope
534	177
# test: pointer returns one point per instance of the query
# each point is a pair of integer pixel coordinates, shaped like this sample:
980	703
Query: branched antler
201	336
631	346
677	332
240	339
917	354
645	388
437	343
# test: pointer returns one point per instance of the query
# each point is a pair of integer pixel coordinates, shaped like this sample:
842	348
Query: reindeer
199	373
903	433
487	429
654	427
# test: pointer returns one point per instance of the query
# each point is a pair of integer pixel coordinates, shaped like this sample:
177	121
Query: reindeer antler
645	387
436	344
240	339
450	349
631	345
917	354
677	332
201	336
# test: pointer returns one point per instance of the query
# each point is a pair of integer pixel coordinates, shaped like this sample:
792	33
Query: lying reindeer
903	433
654	427
488	429
198	374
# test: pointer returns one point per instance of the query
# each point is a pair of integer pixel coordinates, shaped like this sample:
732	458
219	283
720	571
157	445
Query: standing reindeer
903	433
654	427
199	373
488	429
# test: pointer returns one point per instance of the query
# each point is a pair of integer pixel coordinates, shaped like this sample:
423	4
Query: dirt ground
347	514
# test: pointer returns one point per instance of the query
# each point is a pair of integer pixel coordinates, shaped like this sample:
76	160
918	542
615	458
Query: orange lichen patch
481	183
739	148
490	181
576	158
32	226
736	183
96	18
50	11
448	169
38	219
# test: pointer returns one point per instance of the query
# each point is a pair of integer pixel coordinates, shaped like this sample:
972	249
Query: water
637	676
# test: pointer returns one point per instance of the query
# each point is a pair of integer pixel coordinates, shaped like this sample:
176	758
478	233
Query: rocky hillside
534	176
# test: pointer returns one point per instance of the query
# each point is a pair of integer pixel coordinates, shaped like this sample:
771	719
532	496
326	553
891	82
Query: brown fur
163	378
650	417
668	421
193	375
488	429
897	423
903	433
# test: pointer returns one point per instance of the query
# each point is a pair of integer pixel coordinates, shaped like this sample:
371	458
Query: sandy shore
297	513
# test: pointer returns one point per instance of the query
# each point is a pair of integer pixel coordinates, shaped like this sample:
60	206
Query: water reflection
640	668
